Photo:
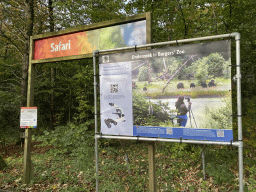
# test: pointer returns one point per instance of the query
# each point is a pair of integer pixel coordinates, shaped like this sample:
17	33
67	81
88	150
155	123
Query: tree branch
11	13
10	40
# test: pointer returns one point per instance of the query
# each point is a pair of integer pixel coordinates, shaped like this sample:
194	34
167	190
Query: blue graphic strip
184	133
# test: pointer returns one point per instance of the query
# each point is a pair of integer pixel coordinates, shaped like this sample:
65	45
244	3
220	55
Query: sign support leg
96	120
27	170
96	164
240	158
239	112
203	162
28	166
151	167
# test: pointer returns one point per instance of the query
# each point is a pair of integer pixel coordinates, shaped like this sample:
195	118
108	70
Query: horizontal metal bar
236	143
236	35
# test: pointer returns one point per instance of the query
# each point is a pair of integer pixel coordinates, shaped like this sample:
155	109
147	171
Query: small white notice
28	117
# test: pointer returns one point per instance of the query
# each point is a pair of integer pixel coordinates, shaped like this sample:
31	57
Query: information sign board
28	117
173	92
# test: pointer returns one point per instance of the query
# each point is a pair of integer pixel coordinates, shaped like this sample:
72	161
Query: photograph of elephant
185	86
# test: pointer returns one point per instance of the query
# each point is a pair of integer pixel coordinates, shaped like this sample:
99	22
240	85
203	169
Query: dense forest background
64	90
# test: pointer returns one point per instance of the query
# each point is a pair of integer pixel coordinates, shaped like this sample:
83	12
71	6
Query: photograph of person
182	111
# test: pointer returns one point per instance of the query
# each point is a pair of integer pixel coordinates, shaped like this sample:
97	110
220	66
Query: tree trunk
29	31
52	68
2	163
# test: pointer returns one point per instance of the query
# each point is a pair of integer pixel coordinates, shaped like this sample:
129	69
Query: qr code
105	59
114	88
220	133
169	131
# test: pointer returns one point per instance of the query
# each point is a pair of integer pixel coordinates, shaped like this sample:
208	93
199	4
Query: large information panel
179	92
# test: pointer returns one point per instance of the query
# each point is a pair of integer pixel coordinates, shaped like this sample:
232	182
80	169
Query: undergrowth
64	161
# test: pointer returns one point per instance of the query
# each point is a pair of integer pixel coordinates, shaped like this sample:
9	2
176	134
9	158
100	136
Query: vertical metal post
203	162
96	119
239	111
240	158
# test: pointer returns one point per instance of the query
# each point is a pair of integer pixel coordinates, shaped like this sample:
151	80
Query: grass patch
197	93
178	167
155	89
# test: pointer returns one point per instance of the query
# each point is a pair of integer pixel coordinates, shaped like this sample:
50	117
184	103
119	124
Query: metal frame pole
96	121
239	111
203	162
169	42
202	142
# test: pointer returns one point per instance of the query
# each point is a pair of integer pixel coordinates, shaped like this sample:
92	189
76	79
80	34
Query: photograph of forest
202	79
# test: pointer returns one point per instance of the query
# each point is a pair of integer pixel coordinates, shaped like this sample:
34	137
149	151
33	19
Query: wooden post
151	145
28	166
27	170
148	28
151	168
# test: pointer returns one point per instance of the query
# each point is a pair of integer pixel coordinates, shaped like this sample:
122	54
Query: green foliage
143	73
70	138
73	90
70	14
212	66
252	177
173	64
220	118
227	69
148	113
172	90
216	64
201	71
218	164
110	38
9	117
84	93
73	93
2	163
73	148
249	122
168	65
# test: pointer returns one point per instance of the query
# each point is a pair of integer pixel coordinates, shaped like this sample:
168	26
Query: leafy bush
221	118
143	74
173	65
2	163
215	63
252	177
9	117
249	121
212	66
148	113
218	164
74	140
201	72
